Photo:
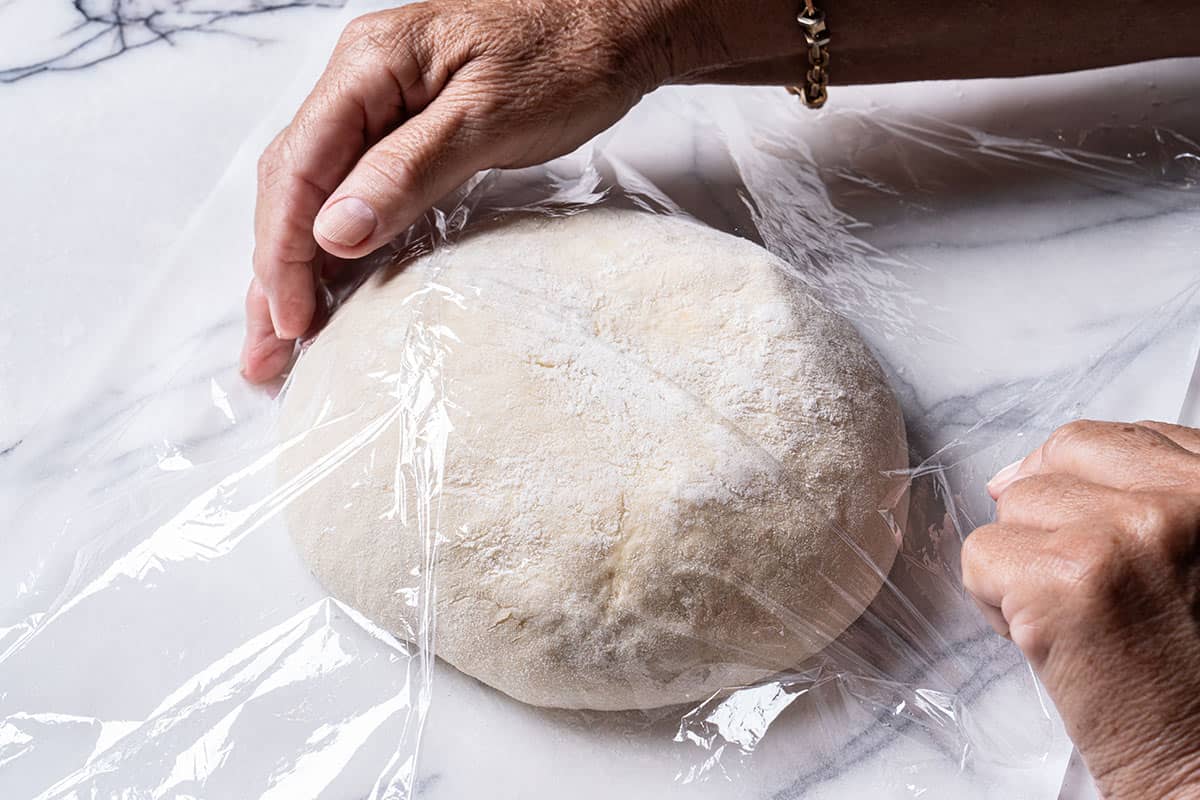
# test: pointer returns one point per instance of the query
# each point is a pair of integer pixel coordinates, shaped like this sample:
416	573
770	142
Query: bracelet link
815	90
812	22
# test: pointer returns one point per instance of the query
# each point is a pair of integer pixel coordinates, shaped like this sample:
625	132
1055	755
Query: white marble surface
152	640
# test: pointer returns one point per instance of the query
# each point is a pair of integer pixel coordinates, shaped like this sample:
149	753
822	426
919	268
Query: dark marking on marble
107	29
6	450
426	783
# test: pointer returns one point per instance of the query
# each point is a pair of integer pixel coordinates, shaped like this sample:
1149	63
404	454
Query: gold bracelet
815	90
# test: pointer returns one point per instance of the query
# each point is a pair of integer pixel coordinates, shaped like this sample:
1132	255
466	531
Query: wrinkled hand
1093	568
413	102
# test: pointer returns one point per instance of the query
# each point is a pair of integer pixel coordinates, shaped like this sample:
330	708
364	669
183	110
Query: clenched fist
1093	568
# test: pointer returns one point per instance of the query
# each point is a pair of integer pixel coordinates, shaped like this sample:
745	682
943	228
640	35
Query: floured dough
664	464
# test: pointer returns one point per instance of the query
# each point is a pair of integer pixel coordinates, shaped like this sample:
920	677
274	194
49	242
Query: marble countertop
1019	252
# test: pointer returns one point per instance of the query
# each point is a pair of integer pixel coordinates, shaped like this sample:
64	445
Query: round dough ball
655	466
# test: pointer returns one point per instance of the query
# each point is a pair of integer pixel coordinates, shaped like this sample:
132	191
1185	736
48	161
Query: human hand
1092	567
413	102
418	98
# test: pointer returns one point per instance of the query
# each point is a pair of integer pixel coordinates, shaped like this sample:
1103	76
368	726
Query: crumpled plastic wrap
170	642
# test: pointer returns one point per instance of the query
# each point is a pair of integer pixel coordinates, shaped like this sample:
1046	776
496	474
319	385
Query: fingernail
1003	478
273	310
347	222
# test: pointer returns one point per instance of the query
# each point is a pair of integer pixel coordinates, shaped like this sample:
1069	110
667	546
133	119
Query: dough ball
656	466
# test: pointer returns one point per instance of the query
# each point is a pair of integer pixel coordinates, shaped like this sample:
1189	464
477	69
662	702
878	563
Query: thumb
401	177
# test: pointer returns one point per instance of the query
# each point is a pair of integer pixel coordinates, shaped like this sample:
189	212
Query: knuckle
380	34
1011	500
1152	515
294	307
255	296
1097	569
975	549
490	98
373	48
269	163
969	554
361	43
360	28
277	161
262	269
1167	525
1112	442
1071	435
1033	636
393	174
276	260
1032	496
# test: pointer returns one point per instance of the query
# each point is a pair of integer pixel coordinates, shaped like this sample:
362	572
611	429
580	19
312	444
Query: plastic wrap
167	640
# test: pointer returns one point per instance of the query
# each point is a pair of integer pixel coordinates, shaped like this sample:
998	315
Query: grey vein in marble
99	30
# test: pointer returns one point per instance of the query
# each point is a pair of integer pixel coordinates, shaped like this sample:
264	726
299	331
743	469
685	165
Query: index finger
1125	456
